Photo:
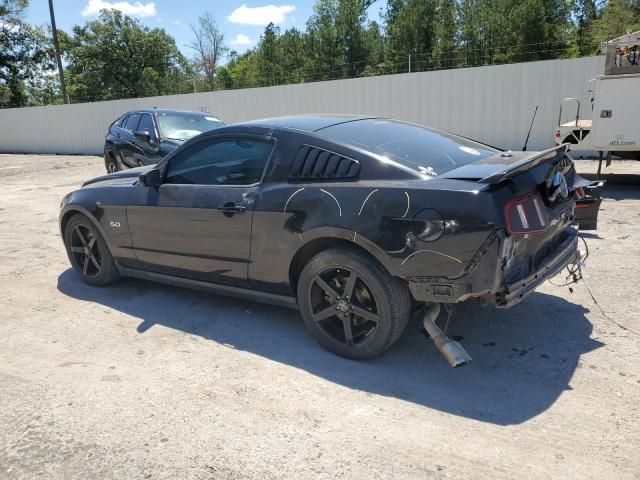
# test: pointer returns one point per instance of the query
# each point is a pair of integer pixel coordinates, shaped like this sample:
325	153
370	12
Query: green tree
618	18
350	25
322	41
585	12
374	40
269	56
116	57
292	49
243	70
412	31
445	35
26	58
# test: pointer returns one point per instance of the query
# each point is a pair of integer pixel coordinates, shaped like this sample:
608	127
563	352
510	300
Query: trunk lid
505	165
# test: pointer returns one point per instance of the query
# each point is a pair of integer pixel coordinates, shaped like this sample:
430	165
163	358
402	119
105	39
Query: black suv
143	137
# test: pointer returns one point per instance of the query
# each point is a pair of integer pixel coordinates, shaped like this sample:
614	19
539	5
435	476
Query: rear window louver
312	163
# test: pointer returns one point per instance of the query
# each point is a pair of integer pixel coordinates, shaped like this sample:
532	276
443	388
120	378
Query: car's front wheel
88	252
110	162
351	304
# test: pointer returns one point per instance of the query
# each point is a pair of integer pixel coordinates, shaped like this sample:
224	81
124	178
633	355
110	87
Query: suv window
184	125
146	124
131	123
231	161
428	151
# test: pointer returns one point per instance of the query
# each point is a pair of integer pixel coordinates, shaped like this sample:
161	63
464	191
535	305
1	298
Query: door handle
232	208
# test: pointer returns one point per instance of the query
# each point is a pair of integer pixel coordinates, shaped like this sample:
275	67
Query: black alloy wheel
351	304
343	306
88	252
84	251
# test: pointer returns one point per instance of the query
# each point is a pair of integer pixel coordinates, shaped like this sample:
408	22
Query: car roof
308	123
167	110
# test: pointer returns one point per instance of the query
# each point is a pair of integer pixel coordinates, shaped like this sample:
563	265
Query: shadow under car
524	357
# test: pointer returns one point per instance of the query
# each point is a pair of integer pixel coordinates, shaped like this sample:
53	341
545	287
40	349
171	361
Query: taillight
580	193
525	215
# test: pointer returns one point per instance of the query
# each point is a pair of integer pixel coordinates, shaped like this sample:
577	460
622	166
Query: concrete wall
492	104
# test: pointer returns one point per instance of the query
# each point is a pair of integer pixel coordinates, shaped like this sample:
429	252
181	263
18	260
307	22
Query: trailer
614	127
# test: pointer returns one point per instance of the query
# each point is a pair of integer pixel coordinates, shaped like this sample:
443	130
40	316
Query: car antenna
524	149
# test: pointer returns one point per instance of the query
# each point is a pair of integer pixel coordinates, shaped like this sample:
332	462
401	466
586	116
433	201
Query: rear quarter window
428	151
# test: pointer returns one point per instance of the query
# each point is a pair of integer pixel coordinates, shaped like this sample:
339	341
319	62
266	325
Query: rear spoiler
526	163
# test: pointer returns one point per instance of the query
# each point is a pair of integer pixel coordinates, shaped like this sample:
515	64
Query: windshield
428	151
182	126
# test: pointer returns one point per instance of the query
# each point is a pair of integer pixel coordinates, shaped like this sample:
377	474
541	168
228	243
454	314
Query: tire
110	162
88	252
373	307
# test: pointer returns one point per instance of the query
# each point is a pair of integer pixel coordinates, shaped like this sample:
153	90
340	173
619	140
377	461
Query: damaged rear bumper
515	292
487	276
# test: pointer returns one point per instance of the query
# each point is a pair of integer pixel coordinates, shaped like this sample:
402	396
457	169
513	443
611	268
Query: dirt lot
141	381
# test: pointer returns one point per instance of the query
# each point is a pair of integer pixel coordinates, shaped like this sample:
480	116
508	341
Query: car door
197	223
146	151
127	150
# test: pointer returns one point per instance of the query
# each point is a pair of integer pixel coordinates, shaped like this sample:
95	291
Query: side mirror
151	178
142	135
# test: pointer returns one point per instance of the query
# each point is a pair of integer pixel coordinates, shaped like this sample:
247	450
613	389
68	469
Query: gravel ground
140	380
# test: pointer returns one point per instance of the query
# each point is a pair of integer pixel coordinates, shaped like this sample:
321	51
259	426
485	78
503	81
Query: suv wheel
111	163
351	304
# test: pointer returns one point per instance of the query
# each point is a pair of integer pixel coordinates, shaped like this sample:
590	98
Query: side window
146	124
131	123
232	161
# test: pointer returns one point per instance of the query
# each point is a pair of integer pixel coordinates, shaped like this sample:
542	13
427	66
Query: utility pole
409	62
63	88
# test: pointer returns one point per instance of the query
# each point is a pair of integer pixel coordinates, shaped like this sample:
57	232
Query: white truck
615	104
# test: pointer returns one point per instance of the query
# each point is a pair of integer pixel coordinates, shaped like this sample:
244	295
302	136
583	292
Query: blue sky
243	21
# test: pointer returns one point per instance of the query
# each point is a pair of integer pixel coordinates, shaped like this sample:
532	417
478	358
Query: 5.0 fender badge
115	224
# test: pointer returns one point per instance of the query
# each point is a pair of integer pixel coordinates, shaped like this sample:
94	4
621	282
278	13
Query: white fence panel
493	104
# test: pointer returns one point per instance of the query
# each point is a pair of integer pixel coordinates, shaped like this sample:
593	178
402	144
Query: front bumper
487	278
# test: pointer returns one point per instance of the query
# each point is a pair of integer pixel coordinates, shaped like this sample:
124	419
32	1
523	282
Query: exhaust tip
451	350
455	354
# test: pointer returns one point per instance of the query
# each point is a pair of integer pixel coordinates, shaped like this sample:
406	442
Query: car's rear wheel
351	304
88	252
111	163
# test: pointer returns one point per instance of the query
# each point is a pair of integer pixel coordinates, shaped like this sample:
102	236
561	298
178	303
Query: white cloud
241	39
136	9
260	15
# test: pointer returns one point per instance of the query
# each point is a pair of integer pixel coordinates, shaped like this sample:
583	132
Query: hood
125	176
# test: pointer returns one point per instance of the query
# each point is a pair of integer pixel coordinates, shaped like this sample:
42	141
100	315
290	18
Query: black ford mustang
353	220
